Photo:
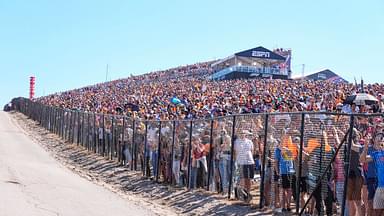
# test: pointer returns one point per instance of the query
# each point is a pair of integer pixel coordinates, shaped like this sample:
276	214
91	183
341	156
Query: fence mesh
315	163
139	145
181	152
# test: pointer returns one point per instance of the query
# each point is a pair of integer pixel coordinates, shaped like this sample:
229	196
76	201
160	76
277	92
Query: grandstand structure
258	62
326	75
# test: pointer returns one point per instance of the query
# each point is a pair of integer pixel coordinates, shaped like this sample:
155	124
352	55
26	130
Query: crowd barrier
300	160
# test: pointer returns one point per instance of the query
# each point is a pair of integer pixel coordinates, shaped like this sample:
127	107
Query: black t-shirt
355	166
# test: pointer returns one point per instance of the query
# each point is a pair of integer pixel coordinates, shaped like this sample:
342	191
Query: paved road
33	183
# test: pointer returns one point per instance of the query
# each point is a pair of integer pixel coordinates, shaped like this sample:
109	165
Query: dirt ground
131	184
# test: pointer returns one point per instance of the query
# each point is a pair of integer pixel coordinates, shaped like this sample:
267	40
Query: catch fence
299	161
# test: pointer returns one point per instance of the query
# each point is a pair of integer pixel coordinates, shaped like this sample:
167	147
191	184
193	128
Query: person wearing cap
244	158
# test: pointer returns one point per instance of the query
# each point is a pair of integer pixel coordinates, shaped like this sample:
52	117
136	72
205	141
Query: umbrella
175	100
361	99
119	109
132	106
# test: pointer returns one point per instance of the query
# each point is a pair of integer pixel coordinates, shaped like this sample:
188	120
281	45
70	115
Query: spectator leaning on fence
244	159
355	177
285	169
225	160
370	176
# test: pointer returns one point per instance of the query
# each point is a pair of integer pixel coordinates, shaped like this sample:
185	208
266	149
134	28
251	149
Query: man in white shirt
152	148
244	158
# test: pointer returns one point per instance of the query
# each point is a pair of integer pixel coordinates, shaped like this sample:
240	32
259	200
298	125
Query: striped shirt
244	149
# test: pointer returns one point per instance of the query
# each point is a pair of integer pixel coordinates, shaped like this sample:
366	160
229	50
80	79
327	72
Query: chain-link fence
309	163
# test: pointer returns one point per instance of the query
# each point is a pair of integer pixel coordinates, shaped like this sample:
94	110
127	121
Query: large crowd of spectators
187	93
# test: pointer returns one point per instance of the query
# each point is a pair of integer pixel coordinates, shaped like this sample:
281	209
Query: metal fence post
51	119
115	138
347	163
82	128
61	122
73	126
232	157
54	120
321	159
57	121
189	154
158	154
48	119
94	133
302	127
122	141
263	165
65	115
146	161
64	124
68	125
112	138
172	149
87	140
136	145
210	154
103	142
133	142
78	127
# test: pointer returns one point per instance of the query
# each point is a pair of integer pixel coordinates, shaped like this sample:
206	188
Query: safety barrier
275	160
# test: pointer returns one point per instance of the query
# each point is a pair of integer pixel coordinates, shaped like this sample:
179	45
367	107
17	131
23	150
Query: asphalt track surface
32	183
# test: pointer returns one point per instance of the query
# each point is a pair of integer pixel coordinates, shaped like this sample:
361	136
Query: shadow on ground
113	175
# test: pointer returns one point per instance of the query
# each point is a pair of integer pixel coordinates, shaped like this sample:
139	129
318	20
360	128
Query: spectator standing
244	159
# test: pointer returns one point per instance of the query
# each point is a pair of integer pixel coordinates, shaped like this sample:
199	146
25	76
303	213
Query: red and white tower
31	87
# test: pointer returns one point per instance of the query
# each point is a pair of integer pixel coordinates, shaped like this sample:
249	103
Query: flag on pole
362	85
288	144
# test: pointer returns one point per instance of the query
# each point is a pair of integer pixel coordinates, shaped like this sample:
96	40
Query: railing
302	156
249	69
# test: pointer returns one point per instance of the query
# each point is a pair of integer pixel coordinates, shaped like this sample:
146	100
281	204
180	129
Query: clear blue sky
67	44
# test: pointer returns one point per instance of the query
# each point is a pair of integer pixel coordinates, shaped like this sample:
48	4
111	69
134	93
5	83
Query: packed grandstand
189	92
200	155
